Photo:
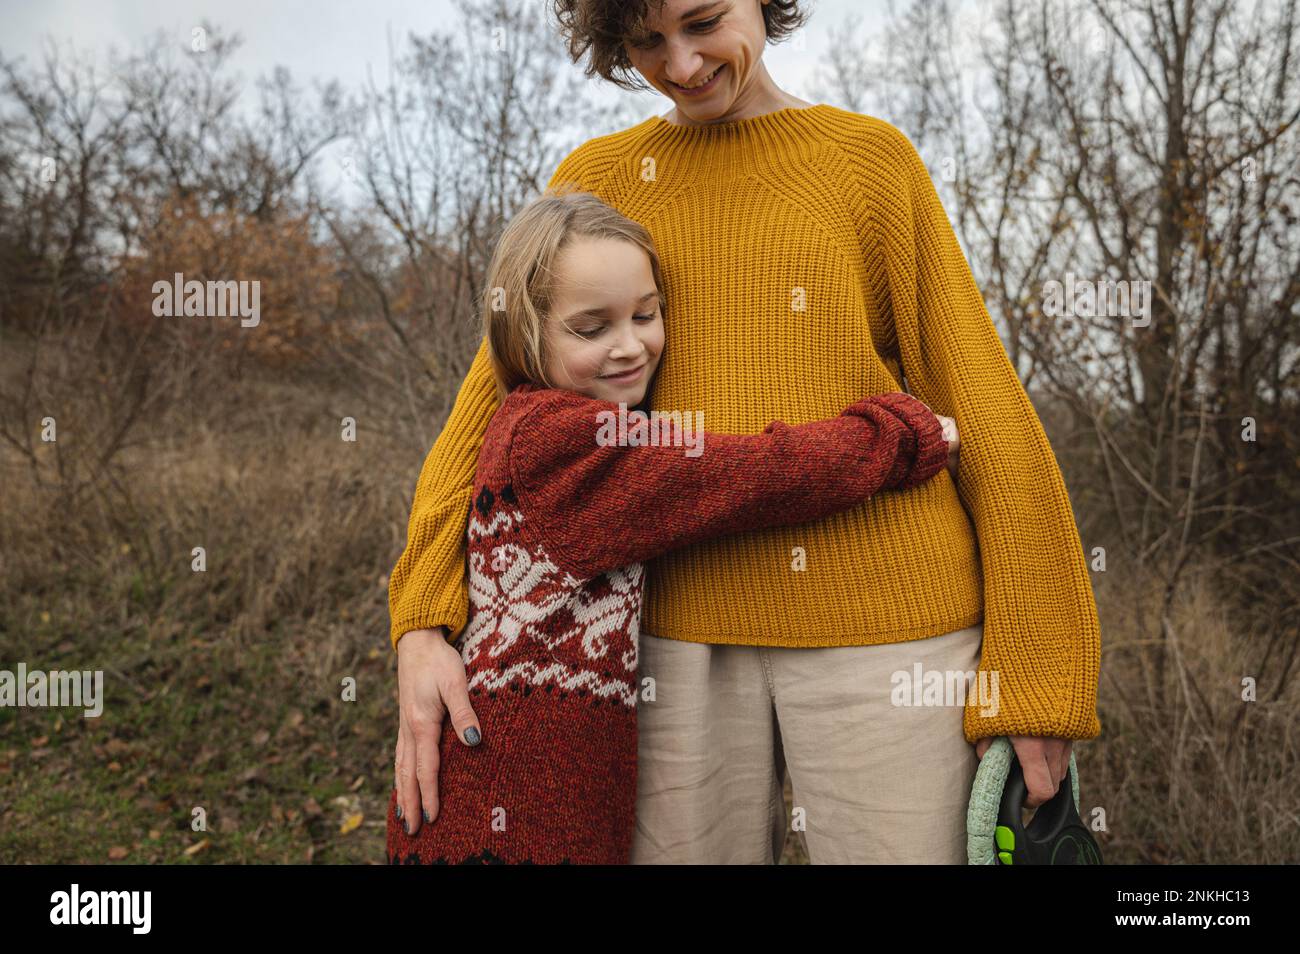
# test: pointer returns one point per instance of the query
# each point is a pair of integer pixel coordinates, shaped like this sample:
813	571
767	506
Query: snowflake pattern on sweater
516	591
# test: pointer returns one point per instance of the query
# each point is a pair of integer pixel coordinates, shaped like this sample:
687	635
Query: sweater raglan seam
865	139
596	158
622	145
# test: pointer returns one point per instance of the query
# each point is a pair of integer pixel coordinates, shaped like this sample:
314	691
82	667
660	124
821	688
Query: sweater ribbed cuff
401	628
1024	709
429	587
928	450
906	458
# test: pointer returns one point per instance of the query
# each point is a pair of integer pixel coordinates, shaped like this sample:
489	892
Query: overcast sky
334	39
346	40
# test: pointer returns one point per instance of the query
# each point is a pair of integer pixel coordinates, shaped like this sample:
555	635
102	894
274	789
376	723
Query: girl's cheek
589	362
579	363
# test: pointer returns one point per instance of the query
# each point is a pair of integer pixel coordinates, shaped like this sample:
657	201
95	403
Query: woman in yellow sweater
807	261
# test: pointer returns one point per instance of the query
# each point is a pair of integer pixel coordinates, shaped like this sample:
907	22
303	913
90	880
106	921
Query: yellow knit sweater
808	262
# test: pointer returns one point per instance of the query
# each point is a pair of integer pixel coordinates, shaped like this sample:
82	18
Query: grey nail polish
428	819
472	736
397	812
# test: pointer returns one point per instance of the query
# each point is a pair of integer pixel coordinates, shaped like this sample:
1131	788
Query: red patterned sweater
558	526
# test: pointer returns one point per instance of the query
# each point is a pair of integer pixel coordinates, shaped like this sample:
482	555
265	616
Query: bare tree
462	132
90	162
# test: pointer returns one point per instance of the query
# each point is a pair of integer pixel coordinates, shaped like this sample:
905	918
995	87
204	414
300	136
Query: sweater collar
792	120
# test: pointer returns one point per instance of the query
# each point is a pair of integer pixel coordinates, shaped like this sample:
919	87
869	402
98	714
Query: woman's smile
702	88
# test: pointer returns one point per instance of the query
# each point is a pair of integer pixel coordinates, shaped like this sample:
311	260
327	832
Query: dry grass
224	687
1187	771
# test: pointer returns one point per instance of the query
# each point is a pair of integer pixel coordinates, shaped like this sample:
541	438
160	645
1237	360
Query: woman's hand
950	435
1044	762
430	684
954	441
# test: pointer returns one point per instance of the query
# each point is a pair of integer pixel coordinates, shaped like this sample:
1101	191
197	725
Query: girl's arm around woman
598	506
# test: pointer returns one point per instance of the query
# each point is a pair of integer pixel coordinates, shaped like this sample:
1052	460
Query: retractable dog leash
995	834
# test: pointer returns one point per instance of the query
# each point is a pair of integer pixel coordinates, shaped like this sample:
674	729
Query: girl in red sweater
576	485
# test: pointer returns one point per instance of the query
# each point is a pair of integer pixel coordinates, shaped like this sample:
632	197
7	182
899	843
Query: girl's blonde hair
518	291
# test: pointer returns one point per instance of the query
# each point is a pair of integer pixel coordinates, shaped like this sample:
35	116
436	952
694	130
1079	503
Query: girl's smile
627	377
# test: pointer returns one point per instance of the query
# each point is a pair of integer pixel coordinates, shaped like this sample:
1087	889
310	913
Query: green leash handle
994	831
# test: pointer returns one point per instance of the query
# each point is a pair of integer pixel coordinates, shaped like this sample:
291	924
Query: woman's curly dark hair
602	25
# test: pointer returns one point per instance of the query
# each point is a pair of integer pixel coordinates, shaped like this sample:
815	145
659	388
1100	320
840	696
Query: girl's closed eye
592	332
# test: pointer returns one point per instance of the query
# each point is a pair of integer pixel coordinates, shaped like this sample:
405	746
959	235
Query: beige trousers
874	781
